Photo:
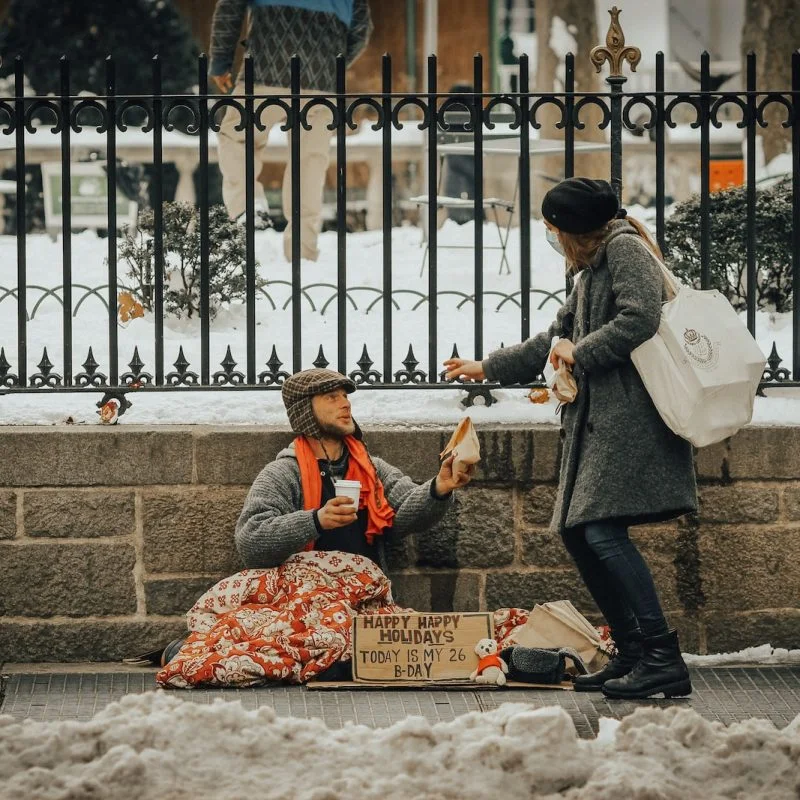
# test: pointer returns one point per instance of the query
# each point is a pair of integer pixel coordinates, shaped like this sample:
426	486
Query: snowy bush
181	243
728	252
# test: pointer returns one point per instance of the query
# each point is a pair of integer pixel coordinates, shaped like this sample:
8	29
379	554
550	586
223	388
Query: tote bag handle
670	280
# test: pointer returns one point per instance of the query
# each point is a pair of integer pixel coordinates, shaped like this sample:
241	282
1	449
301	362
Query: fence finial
615	50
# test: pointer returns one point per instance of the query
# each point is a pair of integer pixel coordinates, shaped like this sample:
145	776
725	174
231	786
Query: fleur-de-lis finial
615	50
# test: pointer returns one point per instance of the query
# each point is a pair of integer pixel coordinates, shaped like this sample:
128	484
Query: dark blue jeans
617	577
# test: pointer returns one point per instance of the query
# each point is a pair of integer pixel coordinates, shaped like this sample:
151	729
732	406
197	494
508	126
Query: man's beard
337	431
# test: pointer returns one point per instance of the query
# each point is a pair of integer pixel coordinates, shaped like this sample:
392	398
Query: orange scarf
380	514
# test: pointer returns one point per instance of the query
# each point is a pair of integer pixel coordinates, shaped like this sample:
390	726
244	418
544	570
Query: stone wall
108	535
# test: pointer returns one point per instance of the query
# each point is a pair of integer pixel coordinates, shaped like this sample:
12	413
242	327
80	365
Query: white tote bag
702	368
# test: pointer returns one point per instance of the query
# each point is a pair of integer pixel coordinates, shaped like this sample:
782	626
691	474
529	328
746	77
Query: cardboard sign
414	648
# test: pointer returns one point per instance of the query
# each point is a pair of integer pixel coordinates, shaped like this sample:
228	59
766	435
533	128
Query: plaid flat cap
298	390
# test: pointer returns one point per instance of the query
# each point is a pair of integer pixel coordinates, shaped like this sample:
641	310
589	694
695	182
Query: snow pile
155	745
760	654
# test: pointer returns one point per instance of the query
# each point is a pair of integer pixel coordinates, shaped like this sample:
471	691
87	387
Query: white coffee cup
351	489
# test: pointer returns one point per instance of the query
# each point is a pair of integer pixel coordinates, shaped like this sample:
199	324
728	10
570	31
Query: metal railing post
615	52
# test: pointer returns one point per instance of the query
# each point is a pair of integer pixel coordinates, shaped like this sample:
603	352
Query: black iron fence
154	113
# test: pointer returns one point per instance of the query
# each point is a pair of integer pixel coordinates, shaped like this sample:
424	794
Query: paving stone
168	596
739	502
711	463
437	591
542	548
84	640
95	456
688	628
83	513
537	504
730	633
526	589
477	532
791	499
236	456
191	529
507	456
750	567
437	547
765	453
656	540
416	455
8	515
665	576
546	452
43	579
486	527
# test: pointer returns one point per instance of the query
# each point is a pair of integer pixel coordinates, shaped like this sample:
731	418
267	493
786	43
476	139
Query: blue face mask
552	240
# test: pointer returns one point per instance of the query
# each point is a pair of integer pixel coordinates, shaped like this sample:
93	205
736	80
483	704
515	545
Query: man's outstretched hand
446	481
336	513
462	368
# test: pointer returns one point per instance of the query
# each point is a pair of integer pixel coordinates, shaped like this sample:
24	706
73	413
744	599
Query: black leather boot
661	670
171	650
629	651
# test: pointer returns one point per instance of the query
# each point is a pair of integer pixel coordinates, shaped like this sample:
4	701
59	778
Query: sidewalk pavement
78	691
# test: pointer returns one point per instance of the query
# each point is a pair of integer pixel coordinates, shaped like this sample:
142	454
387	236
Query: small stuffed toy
491	668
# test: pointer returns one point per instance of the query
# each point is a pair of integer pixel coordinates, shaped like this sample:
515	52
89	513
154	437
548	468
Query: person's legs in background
315	147
231	152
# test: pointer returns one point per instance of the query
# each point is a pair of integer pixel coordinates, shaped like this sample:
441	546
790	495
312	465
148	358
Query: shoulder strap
673	284
572	654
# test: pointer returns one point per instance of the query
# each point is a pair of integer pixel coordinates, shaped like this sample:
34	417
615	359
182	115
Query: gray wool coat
619	460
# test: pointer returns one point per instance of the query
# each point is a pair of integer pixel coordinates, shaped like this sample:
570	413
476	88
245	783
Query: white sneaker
261	220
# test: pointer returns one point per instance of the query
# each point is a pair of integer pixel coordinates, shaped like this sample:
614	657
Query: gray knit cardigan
273	526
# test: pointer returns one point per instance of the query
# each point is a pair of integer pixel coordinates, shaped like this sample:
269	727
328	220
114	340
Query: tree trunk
553	18
772	31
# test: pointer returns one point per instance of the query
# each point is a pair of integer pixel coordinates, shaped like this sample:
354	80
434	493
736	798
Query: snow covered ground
158	745
364	325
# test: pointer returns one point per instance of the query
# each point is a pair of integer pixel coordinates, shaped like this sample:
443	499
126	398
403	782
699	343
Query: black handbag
539	664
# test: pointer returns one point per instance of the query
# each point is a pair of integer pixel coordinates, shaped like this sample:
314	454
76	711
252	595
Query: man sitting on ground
292	505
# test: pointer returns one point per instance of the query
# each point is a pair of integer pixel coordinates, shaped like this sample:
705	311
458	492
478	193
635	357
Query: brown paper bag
464	446
560	624
564	387
559	378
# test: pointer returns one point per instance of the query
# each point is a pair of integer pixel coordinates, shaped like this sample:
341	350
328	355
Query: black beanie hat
580	205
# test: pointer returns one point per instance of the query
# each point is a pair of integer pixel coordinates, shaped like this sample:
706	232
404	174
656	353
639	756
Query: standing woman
620	465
